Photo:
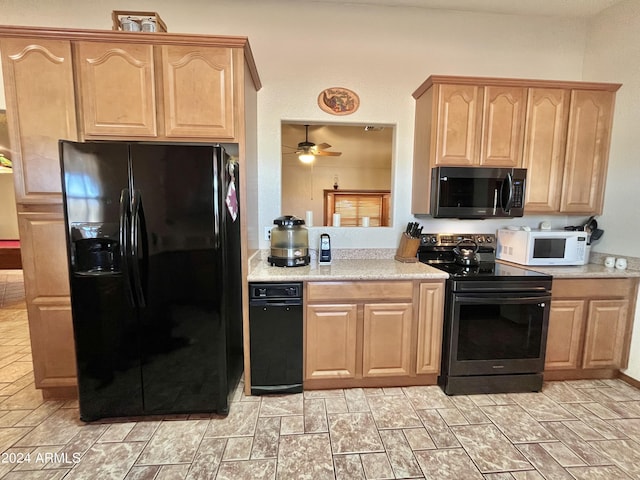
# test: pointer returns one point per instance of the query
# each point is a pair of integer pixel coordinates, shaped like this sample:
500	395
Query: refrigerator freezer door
94	176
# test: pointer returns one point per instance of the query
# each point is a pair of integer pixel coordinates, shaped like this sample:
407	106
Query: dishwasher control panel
275	290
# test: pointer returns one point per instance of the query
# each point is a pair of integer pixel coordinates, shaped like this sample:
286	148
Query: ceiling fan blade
289	146
323	146
324	153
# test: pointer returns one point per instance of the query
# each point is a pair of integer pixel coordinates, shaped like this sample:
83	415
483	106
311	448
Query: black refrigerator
153	238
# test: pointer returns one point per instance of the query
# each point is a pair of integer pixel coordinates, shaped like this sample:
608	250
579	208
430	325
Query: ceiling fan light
306	157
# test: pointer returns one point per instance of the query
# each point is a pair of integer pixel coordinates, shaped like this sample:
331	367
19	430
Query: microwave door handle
495	200
507	196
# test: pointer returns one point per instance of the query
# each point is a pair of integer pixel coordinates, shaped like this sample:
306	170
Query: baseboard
630	380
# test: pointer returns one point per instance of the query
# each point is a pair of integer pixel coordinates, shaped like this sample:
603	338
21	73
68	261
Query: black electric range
496	319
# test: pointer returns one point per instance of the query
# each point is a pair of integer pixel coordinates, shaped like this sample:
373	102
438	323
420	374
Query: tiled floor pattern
584	430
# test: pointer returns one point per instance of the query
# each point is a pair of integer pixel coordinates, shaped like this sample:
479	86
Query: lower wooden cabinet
589	327
372	333
386	347
331	341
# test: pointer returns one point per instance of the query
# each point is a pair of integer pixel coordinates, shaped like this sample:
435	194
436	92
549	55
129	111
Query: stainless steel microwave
477	192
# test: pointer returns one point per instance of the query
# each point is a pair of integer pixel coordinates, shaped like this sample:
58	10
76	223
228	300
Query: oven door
497	333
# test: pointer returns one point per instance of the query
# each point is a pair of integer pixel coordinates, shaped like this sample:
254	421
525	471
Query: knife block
408	249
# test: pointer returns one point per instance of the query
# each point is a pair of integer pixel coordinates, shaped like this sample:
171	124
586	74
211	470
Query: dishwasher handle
275	302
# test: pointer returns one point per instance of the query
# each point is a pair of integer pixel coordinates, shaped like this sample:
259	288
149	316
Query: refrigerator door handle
138	239
124	229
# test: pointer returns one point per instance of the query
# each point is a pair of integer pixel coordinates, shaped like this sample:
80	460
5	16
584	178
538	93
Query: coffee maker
289	242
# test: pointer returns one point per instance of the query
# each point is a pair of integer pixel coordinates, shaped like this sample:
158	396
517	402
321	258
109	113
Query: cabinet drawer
332	291
592	288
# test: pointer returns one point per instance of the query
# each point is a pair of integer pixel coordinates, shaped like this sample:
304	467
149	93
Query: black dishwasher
275	331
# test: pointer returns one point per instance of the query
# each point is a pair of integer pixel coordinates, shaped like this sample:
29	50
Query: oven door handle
542	300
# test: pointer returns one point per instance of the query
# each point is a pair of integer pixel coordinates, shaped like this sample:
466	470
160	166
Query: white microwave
542	247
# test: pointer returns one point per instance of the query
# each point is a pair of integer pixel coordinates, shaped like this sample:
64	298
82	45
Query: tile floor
583	430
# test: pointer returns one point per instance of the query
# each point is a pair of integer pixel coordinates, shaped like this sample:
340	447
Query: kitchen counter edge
345	269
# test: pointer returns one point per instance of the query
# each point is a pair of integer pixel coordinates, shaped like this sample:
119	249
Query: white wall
613	54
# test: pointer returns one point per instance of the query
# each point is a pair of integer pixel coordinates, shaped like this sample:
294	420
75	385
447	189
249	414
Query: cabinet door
566	320
458	124
38	78
544	144
430	317
198	92
117	90
502	126
44	255
604	343
588	138
330	345
386	339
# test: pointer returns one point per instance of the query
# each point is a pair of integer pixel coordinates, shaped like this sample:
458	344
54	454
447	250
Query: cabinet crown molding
157	38
512	82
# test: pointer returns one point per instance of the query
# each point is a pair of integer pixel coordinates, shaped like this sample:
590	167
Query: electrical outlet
267	234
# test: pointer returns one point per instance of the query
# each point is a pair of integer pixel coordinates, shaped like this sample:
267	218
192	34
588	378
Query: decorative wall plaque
338	101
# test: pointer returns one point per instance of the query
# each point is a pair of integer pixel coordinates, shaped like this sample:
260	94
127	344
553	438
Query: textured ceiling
562	8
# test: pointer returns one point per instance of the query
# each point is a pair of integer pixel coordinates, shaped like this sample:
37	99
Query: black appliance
496	318
154	267
324	255
477	192
275	332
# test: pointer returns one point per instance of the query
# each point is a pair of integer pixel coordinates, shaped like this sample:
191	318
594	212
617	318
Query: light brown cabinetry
173	91
589	327
587	152
478	125
38	77
119	86
331	341
559	131
430	320
372	333
544	147
117	94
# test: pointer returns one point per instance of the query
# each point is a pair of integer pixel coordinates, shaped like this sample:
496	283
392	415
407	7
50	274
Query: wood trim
512	82
630	380
371	382
580	374
156	38
364	291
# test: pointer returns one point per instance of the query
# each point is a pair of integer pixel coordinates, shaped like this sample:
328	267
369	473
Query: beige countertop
590	270
379	266
346	269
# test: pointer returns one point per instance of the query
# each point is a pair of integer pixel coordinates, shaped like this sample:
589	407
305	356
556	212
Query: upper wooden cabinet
38	77
544	146
173	91
559	131
502	126
107	108
587	153
478	125
198	92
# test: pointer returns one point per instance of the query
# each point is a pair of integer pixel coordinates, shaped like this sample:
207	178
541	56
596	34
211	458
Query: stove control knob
489	239
433	239
480	239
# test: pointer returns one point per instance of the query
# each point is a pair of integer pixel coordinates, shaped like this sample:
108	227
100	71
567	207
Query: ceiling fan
307	151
